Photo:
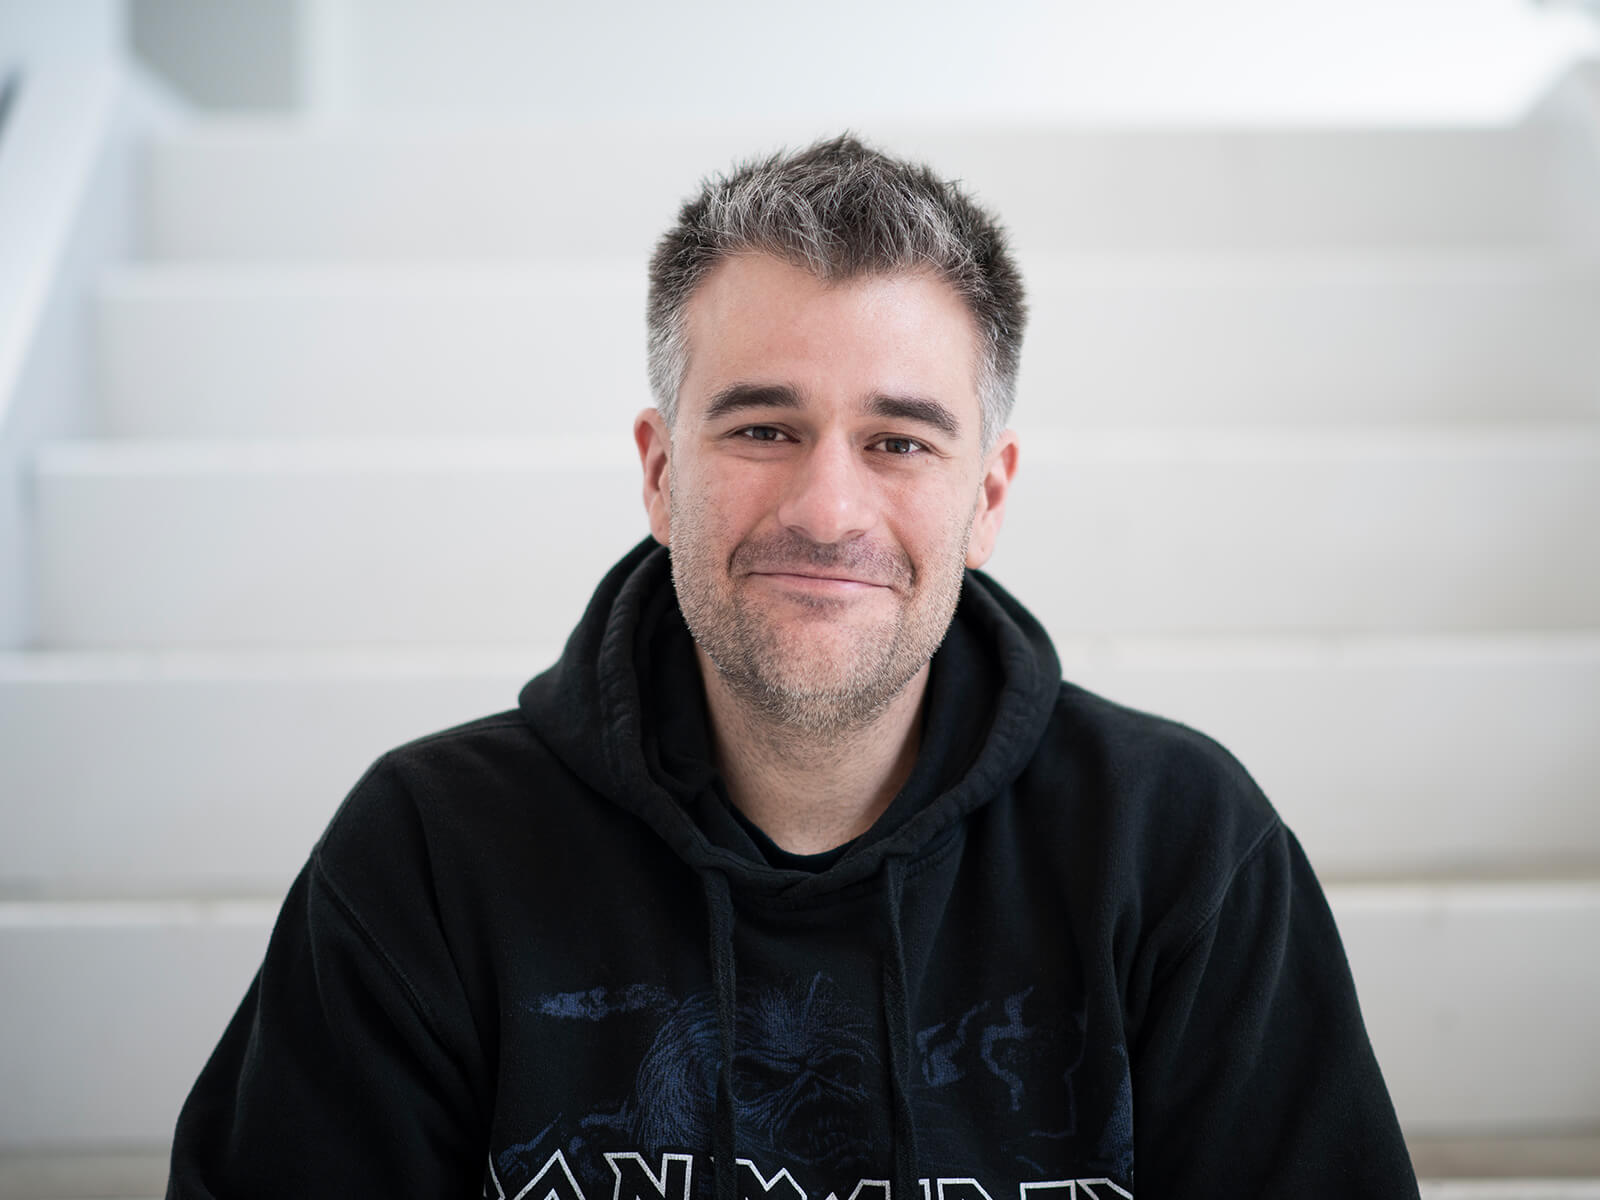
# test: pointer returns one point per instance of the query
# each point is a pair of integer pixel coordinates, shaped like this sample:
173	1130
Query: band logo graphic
674	1180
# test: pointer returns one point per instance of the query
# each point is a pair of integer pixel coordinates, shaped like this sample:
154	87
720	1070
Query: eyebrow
916	408
739	397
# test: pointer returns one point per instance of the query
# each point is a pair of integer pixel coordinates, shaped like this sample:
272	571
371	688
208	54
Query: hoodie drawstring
719	904
897	1017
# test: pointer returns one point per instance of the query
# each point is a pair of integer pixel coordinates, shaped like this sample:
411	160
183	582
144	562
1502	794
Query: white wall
834	61
35	30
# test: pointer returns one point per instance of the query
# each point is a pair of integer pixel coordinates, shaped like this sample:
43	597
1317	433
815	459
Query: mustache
788	550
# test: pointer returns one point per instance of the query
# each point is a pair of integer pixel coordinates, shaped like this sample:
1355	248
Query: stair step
123	1003
270	188
321	543
1496	1167
89	1173
1387	756
1511	1189
96	1072
213	773
426	349
1454	980
538	348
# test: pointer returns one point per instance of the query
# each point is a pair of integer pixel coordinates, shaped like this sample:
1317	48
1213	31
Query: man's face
824	484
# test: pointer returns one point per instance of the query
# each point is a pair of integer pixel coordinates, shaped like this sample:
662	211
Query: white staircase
1311	460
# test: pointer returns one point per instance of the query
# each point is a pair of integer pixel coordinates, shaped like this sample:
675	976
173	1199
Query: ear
654	440
999	469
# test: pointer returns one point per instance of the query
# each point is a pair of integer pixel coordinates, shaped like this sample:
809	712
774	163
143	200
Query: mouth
816	582
790	563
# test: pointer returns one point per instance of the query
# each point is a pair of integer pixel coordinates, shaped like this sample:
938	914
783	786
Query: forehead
756	319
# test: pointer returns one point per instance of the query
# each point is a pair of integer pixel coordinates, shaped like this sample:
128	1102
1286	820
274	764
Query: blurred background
321	329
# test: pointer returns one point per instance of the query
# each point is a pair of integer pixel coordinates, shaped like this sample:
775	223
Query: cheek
706	514
936	533
736	501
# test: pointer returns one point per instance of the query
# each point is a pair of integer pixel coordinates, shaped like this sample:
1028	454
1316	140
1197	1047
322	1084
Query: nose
828	498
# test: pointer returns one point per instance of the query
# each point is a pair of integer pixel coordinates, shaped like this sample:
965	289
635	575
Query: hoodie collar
624	708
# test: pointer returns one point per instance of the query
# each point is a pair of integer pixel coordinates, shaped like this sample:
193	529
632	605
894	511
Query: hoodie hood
600	708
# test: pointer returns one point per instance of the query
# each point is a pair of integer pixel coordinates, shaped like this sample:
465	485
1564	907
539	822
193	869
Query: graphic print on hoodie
802	1086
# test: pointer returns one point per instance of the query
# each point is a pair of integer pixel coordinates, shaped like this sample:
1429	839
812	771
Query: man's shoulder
1145	751
493	735
1160	799
477	781
487	751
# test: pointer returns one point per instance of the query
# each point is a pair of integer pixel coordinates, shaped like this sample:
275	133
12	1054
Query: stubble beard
777	670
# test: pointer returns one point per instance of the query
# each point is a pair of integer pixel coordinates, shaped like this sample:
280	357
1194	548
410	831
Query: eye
761	433
900	447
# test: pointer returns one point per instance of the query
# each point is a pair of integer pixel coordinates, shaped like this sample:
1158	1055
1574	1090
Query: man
802	874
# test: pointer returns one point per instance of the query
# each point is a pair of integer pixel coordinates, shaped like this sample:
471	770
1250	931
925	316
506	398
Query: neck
810	792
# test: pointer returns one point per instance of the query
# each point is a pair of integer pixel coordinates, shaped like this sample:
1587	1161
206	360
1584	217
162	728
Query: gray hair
839	210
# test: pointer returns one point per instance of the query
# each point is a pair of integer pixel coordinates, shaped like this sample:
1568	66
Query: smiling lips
807	581
809	566
800	564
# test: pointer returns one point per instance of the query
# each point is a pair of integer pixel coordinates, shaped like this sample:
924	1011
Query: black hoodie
541	954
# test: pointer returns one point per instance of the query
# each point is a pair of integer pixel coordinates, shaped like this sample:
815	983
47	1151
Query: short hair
841	209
